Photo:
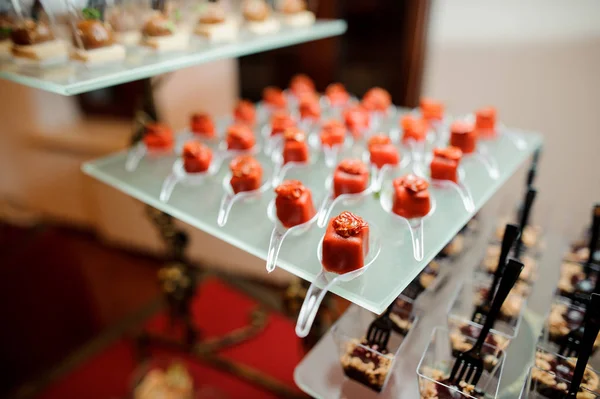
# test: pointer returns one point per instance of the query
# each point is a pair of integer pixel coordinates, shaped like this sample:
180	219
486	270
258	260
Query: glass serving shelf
69	80
249	228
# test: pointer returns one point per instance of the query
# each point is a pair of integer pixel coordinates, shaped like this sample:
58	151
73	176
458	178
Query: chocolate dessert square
365	363
563	318
439	387
463	335
402	315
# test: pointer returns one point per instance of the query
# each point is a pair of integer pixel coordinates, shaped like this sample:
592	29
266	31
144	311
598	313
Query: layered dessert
174	382
245	112
309	107
529	235
366	363
337	95
280	122
402	316
345	244
377	100
246	174
357	120
160	33
382	151
413	129
463	136
490	263
429	274
203	125
462	337
158	137
411	197
295	13
294	203
240	137
35	41
485	123
125	22
6	27
571	277
563	319
443	388
259	17
196	157
333	133
295	147
214	23
274	98
431	110
551	373
511	308
301	85
350	177
444	165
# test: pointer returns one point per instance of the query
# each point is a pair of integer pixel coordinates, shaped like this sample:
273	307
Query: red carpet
217	310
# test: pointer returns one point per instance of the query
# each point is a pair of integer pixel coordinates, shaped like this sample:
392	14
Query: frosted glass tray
249	228
68	80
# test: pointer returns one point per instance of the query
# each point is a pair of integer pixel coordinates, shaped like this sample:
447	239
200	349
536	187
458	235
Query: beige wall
538	61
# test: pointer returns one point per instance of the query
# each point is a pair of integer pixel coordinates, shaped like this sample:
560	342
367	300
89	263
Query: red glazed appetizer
196	157
245	112
485	122
382	151
357	119
274	97
301	85
280	121
158	136
345	244
337	95
411	197
202	124
463	136
431	110
246	174
293	203
350	177
444	165
377	99
295	148
309	107
413	129
333	133
240	137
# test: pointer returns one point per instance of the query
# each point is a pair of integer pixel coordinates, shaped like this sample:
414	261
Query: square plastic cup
403	315
367	365
472	293
436	364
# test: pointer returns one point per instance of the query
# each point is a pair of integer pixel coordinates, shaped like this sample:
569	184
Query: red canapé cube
357	120
309	107
196	157
295	147
411	197
444	165
280	121
158	136
382	151
431	110
377	99
485	122
293	203
413	129
202	124
350	177
333	133
245	112
274	97
463	136
246	174
337	94
345	244
301	84
240	137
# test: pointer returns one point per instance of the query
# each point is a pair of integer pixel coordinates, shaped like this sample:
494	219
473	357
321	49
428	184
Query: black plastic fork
584	288
511	232
591	328
529	197
468	366
380	330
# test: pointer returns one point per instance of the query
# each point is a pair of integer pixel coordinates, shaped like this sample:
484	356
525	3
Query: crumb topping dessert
431	390
552	373
490	262
496	344
429	274
367	364
402	316
511	308
564	318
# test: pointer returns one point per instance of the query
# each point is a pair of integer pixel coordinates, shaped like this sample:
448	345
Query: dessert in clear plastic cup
362	363
403	314
572	274
162	377
532	238
435	367
472	293
489	263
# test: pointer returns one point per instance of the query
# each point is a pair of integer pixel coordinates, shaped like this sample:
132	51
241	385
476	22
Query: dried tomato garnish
347	224
290	189
451	153
294	134
379	139
411	182
353	167
194	149
244	165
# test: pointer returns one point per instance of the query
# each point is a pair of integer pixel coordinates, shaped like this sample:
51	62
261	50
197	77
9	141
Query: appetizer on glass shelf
161	33
245	112
246	174
350	177
444	165
411	197
126	19
357	120
377	100
295	147
463	136
202	124
7	23
274	98
337	95
301	85
158	137
551	371
431	110
345	244
485	123
280	122
462	336
36	42
259	17
214	23
382	151
196	157
443	388
240	137
293	203
333	133
295	13
413	129
309	107
366	363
